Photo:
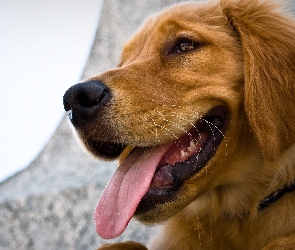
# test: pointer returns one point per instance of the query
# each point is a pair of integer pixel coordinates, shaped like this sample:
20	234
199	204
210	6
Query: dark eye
184	46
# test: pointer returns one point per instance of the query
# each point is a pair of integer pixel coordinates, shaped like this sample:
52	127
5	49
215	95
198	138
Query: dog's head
198	88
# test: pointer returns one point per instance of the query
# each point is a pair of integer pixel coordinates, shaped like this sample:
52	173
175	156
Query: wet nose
84	100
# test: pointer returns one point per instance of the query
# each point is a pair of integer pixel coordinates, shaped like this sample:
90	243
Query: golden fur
246	63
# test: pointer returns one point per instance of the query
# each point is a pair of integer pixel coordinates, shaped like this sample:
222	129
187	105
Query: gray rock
50	204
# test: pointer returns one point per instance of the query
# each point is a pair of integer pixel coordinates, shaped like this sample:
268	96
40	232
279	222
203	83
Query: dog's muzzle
85	100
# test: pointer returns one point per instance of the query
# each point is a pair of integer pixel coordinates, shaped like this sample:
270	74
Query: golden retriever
201	111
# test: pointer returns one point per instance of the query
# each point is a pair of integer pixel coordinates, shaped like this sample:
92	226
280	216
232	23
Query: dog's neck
276	195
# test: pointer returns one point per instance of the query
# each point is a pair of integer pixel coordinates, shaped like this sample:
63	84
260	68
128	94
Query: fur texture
244	61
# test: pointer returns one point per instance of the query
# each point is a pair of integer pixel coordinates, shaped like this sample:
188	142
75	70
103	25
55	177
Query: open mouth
184	158
152	176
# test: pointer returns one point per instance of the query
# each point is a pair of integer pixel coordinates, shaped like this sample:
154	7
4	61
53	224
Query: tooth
192	145
182	153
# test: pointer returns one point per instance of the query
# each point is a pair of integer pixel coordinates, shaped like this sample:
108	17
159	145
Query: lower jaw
152	201
159	213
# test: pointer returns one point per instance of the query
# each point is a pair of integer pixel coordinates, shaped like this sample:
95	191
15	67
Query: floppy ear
268	42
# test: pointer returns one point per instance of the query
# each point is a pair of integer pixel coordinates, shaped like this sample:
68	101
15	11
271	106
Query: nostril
90	99
86	97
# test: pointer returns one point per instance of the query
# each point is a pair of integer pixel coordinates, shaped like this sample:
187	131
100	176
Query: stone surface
50	204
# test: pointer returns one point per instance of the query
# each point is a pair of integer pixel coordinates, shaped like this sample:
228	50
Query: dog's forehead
181	15
174	21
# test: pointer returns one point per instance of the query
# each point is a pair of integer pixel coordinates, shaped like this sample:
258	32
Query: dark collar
276	195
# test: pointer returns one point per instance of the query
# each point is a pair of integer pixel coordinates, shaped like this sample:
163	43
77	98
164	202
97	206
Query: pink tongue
124	191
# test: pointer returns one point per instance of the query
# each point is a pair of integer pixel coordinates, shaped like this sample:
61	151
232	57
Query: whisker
168	133
174	124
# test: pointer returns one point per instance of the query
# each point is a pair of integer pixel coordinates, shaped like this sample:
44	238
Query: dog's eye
184	46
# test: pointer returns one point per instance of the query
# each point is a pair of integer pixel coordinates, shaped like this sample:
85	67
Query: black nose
85	99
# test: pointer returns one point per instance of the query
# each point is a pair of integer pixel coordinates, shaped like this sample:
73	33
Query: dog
201	113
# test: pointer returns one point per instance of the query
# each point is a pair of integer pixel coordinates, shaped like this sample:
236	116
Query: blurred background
44	46
49	187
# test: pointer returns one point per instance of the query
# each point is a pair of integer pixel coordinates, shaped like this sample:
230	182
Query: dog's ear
268	42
